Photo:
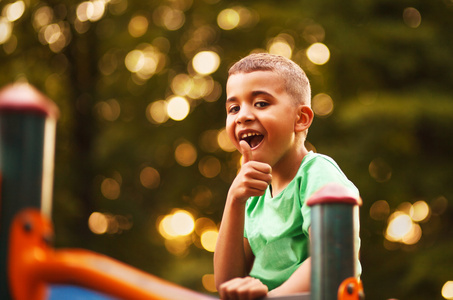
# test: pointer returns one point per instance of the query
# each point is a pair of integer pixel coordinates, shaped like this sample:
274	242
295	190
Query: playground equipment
332	247
30	268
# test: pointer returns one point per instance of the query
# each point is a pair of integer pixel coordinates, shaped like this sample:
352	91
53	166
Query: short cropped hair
296	82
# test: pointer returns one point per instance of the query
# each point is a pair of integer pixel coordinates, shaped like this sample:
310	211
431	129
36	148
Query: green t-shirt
277	227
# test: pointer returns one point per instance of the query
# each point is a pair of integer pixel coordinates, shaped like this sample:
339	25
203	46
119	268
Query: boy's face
260	112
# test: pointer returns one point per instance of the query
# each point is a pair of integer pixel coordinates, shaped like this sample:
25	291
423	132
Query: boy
262	248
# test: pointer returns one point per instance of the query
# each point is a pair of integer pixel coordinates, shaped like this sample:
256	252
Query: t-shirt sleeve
318	172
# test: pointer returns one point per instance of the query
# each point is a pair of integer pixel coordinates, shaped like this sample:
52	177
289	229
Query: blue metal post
333	239
27	139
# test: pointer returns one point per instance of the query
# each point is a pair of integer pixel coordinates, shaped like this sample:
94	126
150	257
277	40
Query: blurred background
142	162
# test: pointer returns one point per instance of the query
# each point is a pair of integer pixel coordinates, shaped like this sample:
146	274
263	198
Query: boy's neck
284	171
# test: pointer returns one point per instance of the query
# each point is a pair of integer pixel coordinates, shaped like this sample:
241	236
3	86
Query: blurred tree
129	153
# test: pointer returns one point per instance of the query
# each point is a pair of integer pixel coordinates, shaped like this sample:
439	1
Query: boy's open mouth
252	138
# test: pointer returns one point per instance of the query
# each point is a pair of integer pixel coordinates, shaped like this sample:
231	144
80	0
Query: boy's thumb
246	152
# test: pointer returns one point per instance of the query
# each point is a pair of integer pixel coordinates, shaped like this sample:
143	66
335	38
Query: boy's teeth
247	135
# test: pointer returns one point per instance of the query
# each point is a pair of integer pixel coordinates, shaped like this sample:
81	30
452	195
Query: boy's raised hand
246	151
253	178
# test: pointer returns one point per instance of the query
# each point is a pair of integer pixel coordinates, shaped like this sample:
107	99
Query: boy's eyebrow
254	94
259	93
231	99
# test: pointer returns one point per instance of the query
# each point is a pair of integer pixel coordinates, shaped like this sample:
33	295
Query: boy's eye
261	104
233	109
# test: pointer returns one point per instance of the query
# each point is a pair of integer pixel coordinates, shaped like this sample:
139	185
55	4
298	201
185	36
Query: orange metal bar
34	264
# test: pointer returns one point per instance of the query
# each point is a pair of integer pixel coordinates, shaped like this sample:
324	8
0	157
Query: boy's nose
245	115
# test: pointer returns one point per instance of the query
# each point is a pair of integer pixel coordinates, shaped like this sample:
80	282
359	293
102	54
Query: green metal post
27	139
333	239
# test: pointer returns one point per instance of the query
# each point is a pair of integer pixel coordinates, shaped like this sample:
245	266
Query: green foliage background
393	94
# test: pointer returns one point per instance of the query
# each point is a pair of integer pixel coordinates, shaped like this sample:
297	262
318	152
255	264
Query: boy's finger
246	152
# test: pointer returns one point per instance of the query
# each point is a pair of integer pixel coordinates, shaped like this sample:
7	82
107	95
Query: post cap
334	193
23	97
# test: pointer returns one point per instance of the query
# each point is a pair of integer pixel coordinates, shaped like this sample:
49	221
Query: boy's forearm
229	256
233	257
299	281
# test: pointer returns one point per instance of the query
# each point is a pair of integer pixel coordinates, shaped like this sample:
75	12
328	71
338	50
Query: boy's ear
304	118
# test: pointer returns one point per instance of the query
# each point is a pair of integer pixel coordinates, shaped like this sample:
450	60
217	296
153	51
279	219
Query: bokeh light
42	16
403	224
178	108
209	166
236	17
318	53
203	224
149	178
109	110
57	35
228	19
179	223
206	62
224	141
322	105
5	29
419	211
145	61
413	236
180	230
117	7
165	227
194	87
135	60
202	86
281	45
447	290
214	93
138	26
208	282
13	11
98	223
156	112
248	17
181	84
110	188
209	239
399	226
380	210
182	222
102	223
170	18
185	154
412	17
380	170
280	48
52	33
90	10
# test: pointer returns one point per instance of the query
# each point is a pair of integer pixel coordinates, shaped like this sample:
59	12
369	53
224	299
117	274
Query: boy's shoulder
311	158
321	164
320	169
